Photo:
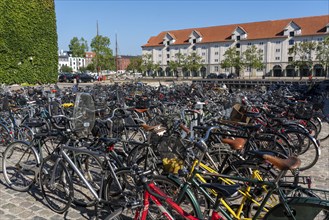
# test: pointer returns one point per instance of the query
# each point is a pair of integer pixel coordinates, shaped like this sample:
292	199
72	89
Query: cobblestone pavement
30	205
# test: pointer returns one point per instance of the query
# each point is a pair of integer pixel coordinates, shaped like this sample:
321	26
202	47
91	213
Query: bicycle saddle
236	144
291	163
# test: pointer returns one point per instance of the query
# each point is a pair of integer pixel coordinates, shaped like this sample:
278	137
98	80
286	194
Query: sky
134	21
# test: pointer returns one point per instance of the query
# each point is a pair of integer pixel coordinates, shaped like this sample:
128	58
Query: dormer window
292	29
238	34
327	26
195	37
169	39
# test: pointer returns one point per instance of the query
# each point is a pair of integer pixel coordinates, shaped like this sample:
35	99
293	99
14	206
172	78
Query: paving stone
31	206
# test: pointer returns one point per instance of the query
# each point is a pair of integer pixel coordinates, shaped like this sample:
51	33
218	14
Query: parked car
212	76
232	76
84	77
222	76
65	77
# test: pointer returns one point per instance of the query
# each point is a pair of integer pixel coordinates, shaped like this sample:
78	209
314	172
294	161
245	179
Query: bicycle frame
165	212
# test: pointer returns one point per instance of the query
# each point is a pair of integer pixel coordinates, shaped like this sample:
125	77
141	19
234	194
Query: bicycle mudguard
307	208
189	193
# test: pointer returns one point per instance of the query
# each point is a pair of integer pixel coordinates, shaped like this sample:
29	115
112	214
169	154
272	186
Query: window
159	55
216	60
167	62
216	53
194	48
277	50
277	58
261	50
237	52
320	39
290	59
238	37
305	40
168	55
227	45
249	44
291	42
203	54
203	47
168	49
176	48
194	41
237	45
248	68
291	33
261	58
202	61
216	69
168	42
216	46
261	43
278	42
226	69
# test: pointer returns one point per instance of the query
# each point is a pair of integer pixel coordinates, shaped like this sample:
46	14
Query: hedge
28	42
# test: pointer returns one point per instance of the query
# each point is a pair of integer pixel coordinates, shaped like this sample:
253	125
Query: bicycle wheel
56	184
20	164
5	137
305	146
92	170
324	133
302	208
114	195
171	188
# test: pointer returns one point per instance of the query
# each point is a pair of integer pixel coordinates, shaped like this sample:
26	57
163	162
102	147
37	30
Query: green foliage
192	62
66	69
232	59
78	47
104	56
28	42
322	53
135	64
302	54
252	58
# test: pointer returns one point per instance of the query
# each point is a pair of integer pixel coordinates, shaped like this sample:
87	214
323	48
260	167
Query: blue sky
135	22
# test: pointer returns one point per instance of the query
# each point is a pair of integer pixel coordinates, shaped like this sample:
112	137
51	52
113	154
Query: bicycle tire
5	137
306	148
59	194
20	164
324	133
303	208
91	168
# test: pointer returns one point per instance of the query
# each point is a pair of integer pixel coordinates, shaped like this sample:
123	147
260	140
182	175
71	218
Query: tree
193	62
78	47
91	67
252	58
302	55
66	69
232	60
178	63
104	56
135	64
148	64
322	55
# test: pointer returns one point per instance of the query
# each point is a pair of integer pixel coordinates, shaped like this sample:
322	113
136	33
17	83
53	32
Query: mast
116	53
97	69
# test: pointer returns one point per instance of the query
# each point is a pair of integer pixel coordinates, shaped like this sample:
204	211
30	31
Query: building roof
256	30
